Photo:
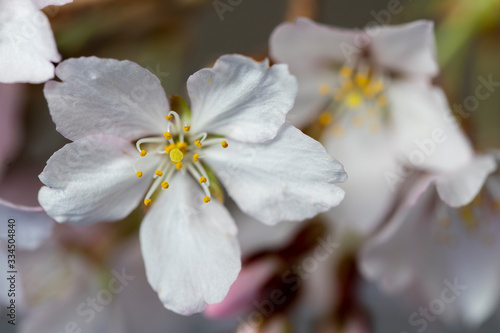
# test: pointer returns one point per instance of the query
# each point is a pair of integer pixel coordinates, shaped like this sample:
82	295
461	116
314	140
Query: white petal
289	178
461	187
425	132
374	178
27	45
407	48
44	3
189	248
241	98
308	45
92	180
32	225
106	96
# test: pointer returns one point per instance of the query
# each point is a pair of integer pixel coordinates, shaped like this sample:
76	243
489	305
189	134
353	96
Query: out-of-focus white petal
407	48
189	248
31	224
93	179
425	132
241	98
374	178
44	3
106	96
461	187
290	178
305	44
27	45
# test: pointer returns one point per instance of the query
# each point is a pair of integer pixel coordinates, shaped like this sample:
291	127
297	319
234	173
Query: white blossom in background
27	45
372	93
446	230
235	129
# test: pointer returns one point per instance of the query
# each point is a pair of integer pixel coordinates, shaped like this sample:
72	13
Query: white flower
373	94
235	130
438	234
27	45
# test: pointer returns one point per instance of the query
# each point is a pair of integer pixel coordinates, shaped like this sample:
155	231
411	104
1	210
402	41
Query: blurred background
175	38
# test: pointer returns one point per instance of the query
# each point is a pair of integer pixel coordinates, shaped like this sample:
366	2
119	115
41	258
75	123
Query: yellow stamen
377	86
362	80
186	128
178	166
325	119
354	100
143	153
224	144
169	148
196	157
167	135
345	71
176	155
169	117
147	202
138	174
198	143
206	199
165	185
203	180
324	89
158	173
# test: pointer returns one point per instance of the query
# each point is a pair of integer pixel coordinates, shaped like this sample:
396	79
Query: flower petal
189	248
373	177
27	45
288	178
44	3
461	187
106	96
32	225
306	44
426	133
92	180
407	48
241	98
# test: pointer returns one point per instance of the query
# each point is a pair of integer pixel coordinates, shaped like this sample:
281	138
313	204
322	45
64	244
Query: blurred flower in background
403	93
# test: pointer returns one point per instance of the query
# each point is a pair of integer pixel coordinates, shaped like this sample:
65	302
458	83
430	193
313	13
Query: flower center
180	151
358	100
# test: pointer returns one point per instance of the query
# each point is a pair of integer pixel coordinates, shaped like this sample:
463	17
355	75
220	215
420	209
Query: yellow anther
203	180
165	185
169	148
382	101
338	95
377	86
176	155
338	131
362	80
224	144
196	157
354	100
167	135
143	153
206	199
345	72
147	202
158	173
178	166
346	86
186	128
182	145
358	121
169	117
138	174
198	143
324	89
325	119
